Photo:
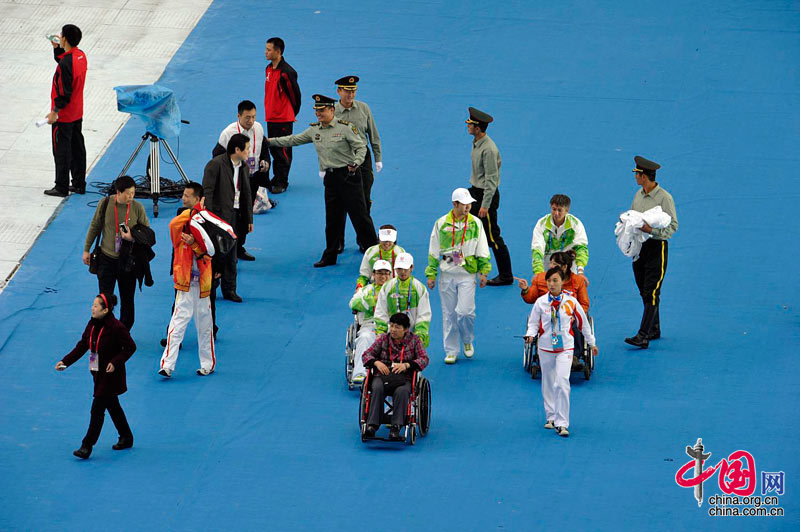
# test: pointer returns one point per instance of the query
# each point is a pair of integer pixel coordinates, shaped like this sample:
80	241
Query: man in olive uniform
484	180
360	115
650	267
341	151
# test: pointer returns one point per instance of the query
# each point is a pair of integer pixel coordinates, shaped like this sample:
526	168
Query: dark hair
196	188
552	271
72	34
562	200
277	42
564	258
237	141
388	226
111	299
401	318
482	126
245	105
123	183
650	174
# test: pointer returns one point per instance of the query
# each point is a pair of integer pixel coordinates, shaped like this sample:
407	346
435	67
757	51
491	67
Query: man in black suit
226	185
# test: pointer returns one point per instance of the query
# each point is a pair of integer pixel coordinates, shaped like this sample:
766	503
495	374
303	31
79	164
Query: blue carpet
270	441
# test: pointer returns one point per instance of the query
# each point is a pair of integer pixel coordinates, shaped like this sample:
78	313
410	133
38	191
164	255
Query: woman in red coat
110	345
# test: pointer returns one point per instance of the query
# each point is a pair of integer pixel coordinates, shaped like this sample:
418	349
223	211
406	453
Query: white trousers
556	368
189	305
365	338
457	293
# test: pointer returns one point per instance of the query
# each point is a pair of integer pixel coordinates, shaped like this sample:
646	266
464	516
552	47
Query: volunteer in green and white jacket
559	231
363	303
386	250
404	294
458	250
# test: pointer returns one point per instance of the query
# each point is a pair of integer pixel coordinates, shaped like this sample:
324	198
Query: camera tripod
153	174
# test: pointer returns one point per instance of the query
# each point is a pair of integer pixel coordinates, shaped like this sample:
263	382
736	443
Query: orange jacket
183	254
576	286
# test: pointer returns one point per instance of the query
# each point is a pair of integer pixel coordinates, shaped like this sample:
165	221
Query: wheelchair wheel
536	368
527	350
362	416
424	406
412	436
348	371
588	357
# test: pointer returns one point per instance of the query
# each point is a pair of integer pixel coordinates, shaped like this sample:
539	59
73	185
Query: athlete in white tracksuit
457	251
551	321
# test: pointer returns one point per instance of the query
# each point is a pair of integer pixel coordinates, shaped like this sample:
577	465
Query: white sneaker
358	379
203	372
164	372
451	358
469	350
550	424
562	431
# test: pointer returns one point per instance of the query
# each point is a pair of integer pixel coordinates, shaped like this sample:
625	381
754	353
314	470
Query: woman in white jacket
551	321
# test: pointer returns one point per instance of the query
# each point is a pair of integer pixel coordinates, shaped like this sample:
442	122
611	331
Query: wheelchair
350	351
530	357
418	409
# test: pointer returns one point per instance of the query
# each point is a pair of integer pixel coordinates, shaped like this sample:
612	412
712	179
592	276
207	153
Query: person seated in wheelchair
363	303
550	323
393	359
574	284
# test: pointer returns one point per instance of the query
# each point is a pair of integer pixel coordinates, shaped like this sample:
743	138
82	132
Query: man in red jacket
281	105
66	113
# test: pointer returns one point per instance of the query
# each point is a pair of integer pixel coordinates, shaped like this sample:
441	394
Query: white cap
387	235
461	195
381	265
404	260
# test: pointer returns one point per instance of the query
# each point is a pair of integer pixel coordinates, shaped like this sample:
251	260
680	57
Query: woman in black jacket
110	345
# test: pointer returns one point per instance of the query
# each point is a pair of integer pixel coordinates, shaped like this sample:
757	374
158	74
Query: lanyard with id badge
94	357
117	236
456	256
251	161
398	297
555	323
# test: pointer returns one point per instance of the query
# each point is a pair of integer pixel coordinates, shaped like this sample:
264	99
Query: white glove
379	166
322	175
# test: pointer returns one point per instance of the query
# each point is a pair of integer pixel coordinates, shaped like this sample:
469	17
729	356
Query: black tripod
153	174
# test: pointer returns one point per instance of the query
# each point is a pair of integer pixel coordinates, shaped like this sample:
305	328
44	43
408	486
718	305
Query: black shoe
370	431
654	336
244	255
163	342
500	281
273	203
232	296
84	452
59	194
321	263
394	433
77	190
278	189
123	443
638	340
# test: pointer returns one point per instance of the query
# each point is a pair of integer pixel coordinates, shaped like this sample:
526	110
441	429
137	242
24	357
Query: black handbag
96	251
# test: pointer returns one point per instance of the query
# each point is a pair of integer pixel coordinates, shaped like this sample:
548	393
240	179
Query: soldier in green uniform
341	151
484	181
360	115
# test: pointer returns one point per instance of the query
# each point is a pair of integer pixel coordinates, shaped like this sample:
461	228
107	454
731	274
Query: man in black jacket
226	185
281	105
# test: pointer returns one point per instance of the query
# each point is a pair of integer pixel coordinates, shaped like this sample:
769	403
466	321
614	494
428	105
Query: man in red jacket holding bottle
281	105
66	113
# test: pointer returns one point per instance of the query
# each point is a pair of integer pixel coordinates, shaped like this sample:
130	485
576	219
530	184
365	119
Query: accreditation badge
558	342
251	162
93	362
117	243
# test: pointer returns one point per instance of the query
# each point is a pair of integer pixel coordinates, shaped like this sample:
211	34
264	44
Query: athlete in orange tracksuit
191	272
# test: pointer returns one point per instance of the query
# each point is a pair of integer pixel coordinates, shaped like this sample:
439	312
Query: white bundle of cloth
629	229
